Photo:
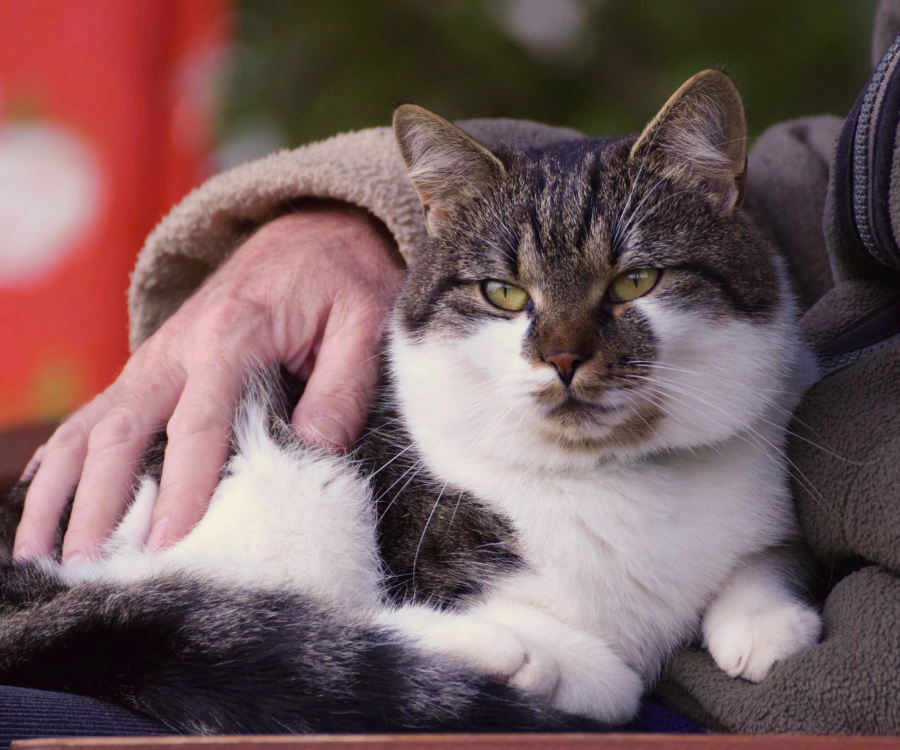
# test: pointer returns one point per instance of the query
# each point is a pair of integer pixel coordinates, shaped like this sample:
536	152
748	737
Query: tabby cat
576	466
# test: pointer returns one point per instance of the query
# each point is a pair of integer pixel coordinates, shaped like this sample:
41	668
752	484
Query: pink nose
565	364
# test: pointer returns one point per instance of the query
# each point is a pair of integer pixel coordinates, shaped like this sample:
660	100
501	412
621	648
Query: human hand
310	290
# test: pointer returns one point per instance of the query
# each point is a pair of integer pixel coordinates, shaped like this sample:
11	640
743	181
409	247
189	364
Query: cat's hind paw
748	645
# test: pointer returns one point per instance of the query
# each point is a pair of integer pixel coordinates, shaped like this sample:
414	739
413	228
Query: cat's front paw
498	652
572	670
489	648
506	656
748	645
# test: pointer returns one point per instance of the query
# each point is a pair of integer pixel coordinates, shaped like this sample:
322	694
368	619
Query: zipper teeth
860	157
831	365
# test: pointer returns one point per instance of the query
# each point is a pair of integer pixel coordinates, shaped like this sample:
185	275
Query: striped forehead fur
575	215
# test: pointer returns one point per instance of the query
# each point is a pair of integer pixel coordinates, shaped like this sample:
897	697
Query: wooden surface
473	742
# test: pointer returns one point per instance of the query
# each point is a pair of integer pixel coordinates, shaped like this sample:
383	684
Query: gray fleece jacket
846	452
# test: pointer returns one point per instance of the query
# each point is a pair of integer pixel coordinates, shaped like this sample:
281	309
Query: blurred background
111	111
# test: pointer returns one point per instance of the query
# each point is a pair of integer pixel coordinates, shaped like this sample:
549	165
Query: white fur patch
716	378
757	621
531	650
283	517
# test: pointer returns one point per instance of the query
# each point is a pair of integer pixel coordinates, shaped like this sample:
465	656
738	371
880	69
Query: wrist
336	218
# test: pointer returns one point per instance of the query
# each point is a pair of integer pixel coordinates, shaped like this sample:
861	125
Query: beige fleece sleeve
362	168
200	232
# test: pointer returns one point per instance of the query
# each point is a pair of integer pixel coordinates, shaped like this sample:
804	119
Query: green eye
505	296
633	284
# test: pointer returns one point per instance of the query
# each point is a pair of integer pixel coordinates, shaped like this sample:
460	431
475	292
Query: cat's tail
204	659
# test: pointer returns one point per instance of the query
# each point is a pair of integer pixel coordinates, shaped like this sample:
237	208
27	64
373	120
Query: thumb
335	403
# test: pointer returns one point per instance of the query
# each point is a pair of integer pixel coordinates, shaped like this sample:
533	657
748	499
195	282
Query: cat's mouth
582	424
582	415
577	411
597	410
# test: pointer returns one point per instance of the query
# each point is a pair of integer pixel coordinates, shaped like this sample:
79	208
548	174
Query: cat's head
594	297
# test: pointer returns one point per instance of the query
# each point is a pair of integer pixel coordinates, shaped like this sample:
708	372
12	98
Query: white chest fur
630	549
632	552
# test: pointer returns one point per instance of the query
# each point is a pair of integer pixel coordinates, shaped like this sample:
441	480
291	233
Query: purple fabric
655	718
31	714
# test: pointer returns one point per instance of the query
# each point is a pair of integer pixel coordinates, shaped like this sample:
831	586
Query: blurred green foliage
311	68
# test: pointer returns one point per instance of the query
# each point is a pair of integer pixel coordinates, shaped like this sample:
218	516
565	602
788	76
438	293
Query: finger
33	464
115	447
335	402
197	449
61	462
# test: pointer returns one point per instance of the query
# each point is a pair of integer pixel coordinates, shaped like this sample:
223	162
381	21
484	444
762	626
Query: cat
575	467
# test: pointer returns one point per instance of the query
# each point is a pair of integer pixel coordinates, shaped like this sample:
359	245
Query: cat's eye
633	284
505	296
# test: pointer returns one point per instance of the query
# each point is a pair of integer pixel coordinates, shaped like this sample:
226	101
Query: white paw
486	646
606	689
748	645
591	677
572	670
132	532
498	652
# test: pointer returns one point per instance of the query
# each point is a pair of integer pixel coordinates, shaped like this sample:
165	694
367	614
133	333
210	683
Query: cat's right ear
447	167
700	135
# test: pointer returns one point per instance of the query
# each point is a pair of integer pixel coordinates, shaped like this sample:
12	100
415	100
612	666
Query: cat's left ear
448	168
701	135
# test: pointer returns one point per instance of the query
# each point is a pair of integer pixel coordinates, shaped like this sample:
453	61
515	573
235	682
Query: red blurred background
106	116
106	121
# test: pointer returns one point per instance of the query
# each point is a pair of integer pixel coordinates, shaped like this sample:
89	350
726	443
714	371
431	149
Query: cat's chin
581	427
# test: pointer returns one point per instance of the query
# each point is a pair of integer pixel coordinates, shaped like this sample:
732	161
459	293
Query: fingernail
330	430
33	465
73	561
24	555
157	535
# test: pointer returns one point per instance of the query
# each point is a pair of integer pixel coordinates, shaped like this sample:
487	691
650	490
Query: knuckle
71	435
231	323
235	301
367	310
349	399
154	353
202	419
119	427
152	370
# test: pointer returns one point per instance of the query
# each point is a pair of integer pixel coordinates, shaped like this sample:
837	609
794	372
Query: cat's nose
565	363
